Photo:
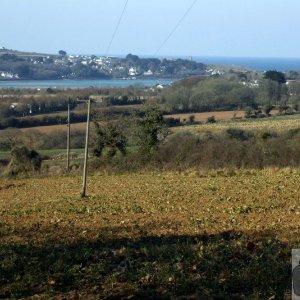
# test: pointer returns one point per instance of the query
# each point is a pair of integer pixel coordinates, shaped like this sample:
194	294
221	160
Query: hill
40	66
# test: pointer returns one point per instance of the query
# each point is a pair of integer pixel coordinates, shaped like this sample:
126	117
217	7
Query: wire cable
176	26
116	29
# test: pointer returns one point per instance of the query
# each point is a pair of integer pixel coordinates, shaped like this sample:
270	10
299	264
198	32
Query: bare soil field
222	234
47	129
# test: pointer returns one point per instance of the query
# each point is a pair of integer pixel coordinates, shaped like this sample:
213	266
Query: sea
259	64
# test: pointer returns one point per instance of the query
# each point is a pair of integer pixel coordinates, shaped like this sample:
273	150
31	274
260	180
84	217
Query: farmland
224	234
198	211
224	120
277	124
199	117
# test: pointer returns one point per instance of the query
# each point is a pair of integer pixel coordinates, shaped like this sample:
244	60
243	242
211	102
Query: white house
148	73
132	71
8	75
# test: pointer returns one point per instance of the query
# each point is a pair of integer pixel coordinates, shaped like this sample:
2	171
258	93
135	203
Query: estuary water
84	83
259	64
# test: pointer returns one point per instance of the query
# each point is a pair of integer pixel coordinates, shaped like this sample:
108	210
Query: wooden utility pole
68	139
86	152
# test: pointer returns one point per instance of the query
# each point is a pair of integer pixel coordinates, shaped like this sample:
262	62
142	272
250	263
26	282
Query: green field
50	153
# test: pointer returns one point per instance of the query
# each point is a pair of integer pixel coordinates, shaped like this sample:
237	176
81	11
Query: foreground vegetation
222	234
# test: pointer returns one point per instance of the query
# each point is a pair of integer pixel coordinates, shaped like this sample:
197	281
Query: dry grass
277	124
202	117
223	234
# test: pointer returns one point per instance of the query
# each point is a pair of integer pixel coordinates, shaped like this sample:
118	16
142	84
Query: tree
109	136
132	58
272	92
150	129
275	76
62	52
22	69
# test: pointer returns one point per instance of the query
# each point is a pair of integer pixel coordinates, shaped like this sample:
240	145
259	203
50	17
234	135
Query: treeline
208	95
102	114
46	120
223	93
16	104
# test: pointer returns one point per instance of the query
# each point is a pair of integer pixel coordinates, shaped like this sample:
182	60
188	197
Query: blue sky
246	28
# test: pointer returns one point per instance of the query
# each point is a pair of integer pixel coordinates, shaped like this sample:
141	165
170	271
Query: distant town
16	65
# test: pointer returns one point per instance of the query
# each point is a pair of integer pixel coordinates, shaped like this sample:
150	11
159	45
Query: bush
181	151
23	161
191	119
109	136
150	129
211	119
268	134
172	122
239	134
267	109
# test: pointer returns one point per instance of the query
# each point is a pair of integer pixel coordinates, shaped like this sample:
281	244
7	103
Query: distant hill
22	53
41	66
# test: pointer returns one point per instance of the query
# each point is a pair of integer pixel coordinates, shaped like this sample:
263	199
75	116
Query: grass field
277	124
202	117
51	153
222	234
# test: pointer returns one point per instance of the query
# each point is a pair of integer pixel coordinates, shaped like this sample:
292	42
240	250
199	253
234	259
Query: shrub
239	134
23	161
149	131
111	137
268	134
211	119
172	122
267	109
191	119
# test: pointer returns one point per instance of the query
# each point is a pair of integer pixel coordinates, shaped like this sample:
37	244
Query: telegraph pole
68	139
86	151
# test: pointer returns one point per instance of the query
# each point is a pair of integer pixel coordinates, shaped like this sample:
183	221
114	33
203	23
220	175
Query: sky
227	28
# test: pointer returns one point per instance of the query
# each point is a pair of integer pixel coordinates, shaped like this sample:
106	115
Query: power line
176	26
117	27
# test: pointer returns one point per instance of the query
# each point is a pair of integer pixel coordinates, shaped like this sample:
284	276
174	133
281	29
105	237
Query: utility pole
68	138
86	152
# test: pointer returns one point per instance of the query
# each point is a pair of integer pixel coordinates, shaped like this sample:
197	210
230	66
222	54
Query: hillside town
21	65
